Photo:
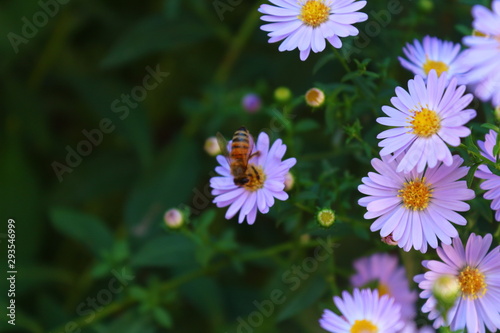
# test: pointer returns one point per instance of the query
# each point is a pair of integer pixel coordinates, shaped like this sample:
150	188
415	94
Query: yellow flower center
478	33
416	194
256	178
438	66
472	283
314	13
364	326
425	123
383	289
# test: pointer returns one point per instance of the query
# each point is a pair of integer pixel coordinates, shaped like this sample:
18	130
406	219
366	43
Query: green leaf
470	174
304	297
162	317
152	35
166	250
491	127
87	229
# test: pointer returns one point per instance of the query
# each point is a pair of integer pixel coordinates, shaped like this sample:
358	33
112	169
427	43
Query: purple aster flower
478	275
424	120
432	53
260	192
390	279
305	24
492	181
483	54
417	207
365	311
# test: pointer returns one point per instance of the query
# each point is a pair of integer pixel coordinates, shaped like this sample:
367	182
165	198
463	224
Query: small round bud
325	217
212	146
173	218
289	181
282	94
446	289
497	113
315	97
251	102
389	240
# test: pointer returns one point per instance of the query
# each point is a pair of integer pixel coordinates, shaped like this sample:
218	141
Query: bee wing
251	146
221	140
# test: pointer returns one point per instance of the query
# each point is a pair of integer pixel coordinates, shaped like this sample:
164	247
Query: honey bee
241	151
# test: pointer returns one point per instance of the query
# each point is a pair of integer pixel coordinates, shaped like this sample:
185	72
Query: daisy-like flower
484	53
266	184
424	120
363	312
477	273
432	53
416	207
382	271
305	24
492	181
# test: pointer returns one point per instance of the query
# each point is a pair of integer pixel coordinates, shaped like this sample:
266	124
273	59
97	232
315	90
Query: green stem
342	60
237	45
185	278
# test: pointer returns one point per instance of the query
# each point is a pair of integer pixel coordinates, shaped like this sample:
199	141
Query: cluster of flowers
416	192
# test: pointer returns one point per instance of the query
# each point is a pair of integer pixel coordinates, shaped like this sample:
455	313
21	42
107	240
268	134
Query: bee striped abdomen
240	145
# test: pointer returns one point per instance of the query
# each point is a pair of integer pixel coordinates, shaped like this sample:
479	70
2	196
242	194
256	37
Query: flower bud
446	289
212	146
289	181
315	97
389	240
282	94
173	218
251	103
497	113
325	217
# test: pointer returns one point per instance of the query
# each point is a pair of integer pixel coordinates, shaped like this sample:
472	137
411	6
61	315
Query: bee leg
256	173
256	154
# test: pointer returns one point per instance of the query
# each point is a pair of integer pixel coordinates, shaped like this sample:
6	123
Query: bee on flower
252	175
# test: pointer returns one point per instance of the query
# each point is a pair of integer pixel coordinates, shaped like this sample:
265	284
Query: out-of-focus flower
424	120
289	181
433	53
251	103
388	240
173	218
325	217
446	290
306	24
212	146
364	311
478	275
267	181
416	208
382	271
483	55
282	94
497	113
492	182
315	97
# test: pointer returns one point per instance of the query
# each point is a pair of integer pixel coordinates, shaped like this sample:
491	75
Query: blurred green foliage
93	254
